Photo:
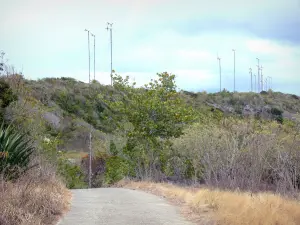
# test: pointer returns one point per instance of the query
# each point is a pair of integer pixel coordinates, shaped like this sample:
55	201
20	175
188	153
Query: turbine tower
233	70
220	73
250	71
109	28
258	82
262	78
254	82
94	55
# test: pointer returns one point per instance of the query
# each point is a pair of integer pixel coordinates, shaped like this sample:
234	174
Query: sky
46	38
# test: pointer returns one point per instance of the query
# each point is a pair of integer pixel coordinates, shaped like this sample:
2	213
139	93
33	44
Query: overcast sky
47	39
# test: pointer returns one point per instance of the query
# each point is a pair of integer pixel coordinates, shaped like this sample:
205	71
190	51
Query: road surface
114	206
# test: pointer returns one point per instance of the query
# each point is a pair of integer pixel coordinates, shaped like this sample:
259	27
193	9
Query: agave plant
15	151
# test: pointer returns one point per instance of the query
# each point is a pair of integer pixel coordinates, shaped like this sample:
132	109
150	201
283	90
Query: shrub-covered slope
157	133
266	105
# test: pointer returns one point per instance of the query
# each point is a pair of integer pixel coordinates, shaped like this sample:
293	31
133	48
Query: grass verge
207	206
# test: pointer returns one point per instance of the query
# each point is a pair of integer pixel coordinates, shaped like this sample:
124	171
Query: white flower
47	140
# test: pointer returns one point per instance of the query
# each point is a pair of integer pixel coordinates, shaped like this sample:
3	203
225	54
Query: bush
277	115
263	93
295	97
279	119
15	150
116	169
6	97
276	111
71	173
225	93
6	94
246	154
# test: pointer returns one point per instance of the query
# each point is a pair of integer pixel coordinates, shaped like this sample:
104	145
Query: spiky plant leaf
15	152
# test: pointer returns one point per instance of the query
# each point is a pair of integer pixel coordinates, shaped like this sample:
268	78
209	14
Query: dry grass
227	208
36	198
76	155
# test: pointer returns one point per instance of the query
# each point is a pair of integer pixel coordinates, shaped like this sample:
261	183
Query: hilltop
265	105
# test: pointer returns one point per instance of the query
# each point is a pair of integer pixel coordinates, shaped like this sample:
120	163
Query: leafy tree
156	113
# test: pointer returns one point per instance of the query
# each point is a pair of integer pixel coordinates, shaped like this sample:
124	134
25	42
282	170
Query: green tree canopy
155	110
148	117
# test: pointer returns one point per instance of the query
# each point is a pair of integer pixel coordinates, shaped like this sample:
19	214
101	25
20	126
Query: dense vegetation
230	140
31	188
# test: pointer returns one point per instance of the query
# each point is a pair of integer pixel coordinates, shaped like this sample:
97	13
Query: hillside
265	105
63	109
68	107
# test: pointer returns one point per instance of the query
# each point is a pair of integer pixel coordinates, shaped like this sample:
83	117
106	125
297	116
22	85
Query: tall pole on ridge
258	83
233	70
89	54
261	76
94	55
220	72
250	71
254	82
270	83
90	135
266	84
109	27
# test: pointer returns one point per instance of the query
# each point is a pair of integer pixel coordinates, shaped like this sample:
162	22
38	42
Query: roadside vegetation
32	190
36	197
204	205
236	145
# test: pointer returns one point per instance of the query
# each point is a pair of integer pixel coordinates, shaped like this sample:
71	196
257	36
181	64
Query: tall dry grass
38	197
227	208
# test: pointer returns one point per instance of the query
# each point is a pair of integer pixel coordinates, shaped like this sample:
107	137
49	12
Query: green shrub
217	115
225	93
71	173
276	111
69	79
6	96
295	97
116	169
238	110
263	93
279	119
113	148
277	115
15	150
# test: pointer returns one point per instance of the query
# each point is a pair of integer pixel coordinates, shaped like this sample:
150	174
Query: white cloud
261	46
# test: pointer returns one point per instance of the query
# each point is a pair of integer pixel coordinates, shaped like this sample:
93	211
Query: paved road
114	206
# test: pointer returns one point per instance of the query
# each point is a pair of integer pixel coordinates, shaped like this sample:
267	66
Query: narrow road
114	206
